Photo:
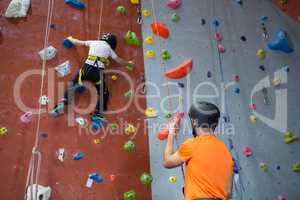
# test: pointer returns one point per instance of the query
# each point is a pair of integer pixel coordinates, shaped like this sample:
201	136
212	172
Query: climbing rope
100	19
36	157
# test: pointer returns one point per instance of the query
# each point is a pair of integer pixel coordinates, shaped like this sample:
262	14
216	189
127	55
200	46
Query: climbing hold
43	134
278	167
112	177
181	70
252	106
80	121
261	54
253	119
150	54
290	137
17	8
283	2
121	9
97	141
281	43
135	1
208	74
129	146
26	117
236	167
98	121
165	54
113	126
160	29
175	17
296	167
281	197
247	151
218	37
75	3
276	81
168	115
130	129
286	68
149	40
264	18
146	12
130	67
172	179
263	166
237	90
96	177
236	78
44	100
240	2
203	22
146	178
129	195
221	48
60	153
150	112
216	23
174	4
114	77
243	38
128	94
52	26
3	130
131	38
262	68
163	134
63	69
67	43
47	53
180	85
78	156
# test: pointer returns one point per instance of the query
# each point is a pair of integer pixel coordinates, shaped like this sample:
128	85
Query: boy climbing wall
209	165
93	70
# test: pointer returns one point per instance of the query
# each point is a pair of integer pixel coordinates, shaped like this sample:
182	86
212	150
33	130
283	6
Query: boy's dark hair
111	39
205	115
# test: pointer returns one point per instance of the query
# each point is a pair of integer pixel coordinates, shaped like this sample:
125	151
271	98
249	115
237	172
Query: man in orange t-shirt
209	165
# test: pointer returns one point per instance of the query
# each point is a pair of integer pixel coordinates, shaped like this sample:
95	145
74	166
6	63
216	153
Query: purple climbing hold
75	3
209	74
43	134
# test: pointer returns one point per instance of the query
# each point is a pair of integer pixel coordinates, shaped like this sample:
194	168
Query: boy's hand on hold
130	63
70	38
173	128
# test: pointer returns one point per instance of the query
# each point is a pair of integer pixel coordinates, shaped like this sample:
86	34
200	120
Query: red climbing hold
160	29
247	151
181	70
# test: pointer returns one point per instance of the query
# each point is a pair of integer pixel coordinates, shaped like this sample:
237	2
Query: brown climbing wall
292	8
20	42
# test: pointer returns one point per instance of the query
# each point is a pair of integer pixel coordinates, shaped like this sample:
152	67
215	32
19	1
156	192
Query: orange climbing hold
163	134
181	70
160	29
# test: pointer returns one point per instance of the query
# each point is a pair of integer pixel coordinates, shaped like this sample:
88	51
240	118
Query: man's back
209	167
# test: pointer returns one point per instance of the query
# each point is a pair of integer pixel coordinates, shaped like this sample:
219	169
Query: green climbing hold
113	126
121	9
175	17
129	195
130	67
296	167
129	146
132	39
129	93
165	55
146	178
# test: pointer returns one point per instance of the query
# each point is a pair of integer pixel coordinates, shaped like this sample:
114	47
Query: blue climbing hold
237	90
67	43
239	2
80	89
216	23
96	177
75	3
281	43
235	167
43	134
98	121
264	18
78	156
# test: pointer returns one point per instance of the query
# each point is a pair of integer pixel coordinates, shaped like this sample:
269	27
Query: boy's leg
103	94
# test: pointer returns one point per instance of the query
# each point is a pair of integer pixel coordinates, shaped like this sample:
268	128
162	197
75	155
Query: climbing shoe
57	110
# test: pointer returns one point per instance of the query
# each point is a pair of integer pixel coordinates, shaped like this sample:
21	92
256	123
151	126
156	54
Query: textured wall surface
190	39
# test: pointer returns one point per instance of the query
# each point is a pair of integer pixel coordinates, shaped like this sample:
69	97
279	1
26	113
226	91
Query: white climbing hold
48	53
43	100
80	121
43	193
63	69
17	8
60	154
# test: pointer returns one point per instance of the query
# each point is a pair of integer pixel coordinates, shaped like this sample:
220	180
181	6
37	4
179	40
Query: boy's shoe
57	110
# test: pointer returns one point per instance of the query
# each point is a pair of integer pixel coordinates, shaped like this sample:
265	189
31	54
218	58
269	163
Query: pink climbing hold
26	117
218	37
252	106
281	197
221	48
173	4
236	78
247	151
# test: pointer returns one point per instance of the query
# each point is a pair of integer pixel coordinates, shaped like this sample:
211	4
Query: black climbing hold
278	167
203	22
239	2
216	23
262	68
286	69
209	74
52	26
243	38
237	90
43	134
180	85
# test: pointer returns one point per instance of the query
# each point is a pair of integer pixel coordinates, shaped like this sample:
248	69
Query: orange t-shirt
209	167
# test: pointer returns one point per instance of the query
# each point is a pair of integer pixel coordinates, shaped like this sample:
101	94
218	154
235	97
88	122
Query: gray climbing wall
190	39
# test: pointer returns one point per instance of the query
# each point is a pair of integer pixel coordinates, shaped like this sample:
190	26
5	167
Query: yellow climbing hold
3	130
290	137
135	1
253	119
150	54
130	129
296	167
172	179
150	112
149	40
97	141
114	77
261	54
263	166
146	12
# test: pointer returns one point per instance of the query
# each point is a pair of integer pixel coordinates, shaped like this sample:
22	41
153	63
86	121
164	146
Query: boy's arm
76	41
123	62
